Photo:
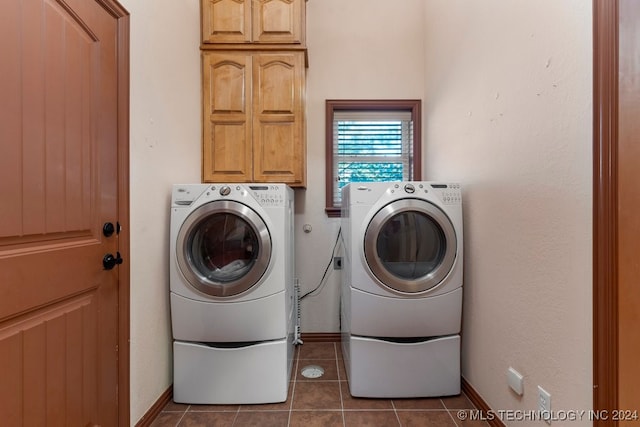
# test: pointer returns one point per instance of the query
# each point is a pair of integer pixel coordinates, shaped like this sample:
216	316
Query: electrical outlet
544	404
515	381
337	263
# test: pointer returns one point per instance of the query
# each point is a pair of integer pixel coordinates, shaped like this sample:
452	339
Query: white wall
506	96
165	149
508	113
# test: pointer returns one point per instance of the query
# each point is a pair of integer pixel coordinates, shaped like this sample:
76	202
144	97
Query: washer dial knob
409	188
225	190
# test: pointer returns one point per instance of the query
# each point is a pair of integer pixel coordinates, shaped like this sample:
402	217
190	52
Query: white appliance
401	302
231	290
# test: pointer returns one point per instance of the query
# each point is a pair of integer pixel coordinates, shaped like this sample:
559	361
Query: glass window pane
224	248
371	151
411	245
364	134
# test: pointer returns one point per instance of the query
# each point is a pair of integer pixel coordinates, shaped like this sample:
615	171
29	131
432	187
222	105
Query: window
370	140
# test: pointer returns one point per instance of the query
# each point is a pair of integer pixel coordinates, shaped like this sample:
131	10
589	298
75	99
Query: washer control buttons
269	198
225	191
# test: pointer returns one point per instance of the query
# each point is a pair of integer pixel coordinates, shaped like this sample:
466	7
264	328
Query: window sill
332	212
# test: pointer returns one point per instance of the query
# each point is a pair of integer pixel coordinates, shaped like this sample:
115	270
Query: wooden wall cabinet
254	128
253	21
253	91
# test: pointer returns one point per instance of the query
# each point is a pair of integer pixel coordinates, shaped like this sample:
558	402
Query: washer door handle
109	261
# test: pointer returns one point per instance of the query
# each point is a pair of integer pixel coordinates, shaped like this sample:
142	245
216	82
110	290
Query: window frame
332	105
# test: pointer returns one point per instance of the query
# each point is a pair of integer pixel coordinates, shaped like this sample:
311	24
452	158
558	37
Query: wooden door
226	143
616	300
59	130
278	118
629	209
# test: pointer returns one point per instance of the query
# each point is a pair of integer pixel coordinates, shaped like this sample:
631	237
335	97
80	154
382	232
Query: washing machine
231	292
402	281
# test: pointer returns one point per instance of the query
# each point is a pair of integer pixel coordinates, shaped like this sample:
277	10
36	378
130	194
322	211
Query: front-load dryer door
410	245
223	248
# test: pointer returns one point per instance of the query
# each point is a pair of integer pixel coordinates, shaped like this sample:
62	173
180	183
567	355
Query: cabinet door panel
226	21
227	117
279	147
278	21
226	152
275	155
277	79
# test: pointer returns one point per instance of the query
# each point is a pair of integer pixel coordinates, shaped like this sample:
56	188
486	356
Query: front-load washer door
410	245
223	248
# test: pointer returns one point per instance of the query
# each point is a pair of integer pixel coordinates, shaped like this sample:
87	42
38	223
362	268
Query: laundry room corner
506	112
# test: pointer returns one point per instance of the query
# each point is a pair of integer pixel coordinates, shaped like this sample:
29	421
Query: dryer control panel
450	194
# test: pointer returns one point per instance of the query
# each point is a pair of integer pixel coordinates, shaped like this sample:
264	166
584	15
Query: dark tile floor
324	402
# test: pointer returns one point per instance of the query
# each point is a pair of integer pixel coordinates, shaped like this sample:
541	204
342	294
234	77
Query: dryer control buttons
451	197
225	190
409	188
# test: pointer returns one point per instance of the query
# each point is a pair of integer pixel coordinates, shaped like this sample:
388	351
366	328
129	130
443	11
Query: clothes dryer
401	304
231	292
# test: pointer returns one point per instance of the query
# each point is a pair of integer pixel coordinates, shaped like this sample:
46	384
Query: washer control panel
268	195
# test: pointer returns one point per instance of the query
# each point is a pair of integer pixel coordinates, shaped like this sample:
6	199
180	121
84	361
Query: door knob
108	229
109	261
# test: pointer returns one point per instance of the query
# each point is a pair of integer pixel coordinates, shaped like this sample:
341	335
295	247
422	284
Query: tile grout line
235	418
452	418
182	416
395	411
335	352
444	405
294	374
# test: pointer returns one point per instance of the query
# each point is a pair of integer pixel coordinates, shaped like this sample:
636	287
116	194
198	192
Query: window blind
371	146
